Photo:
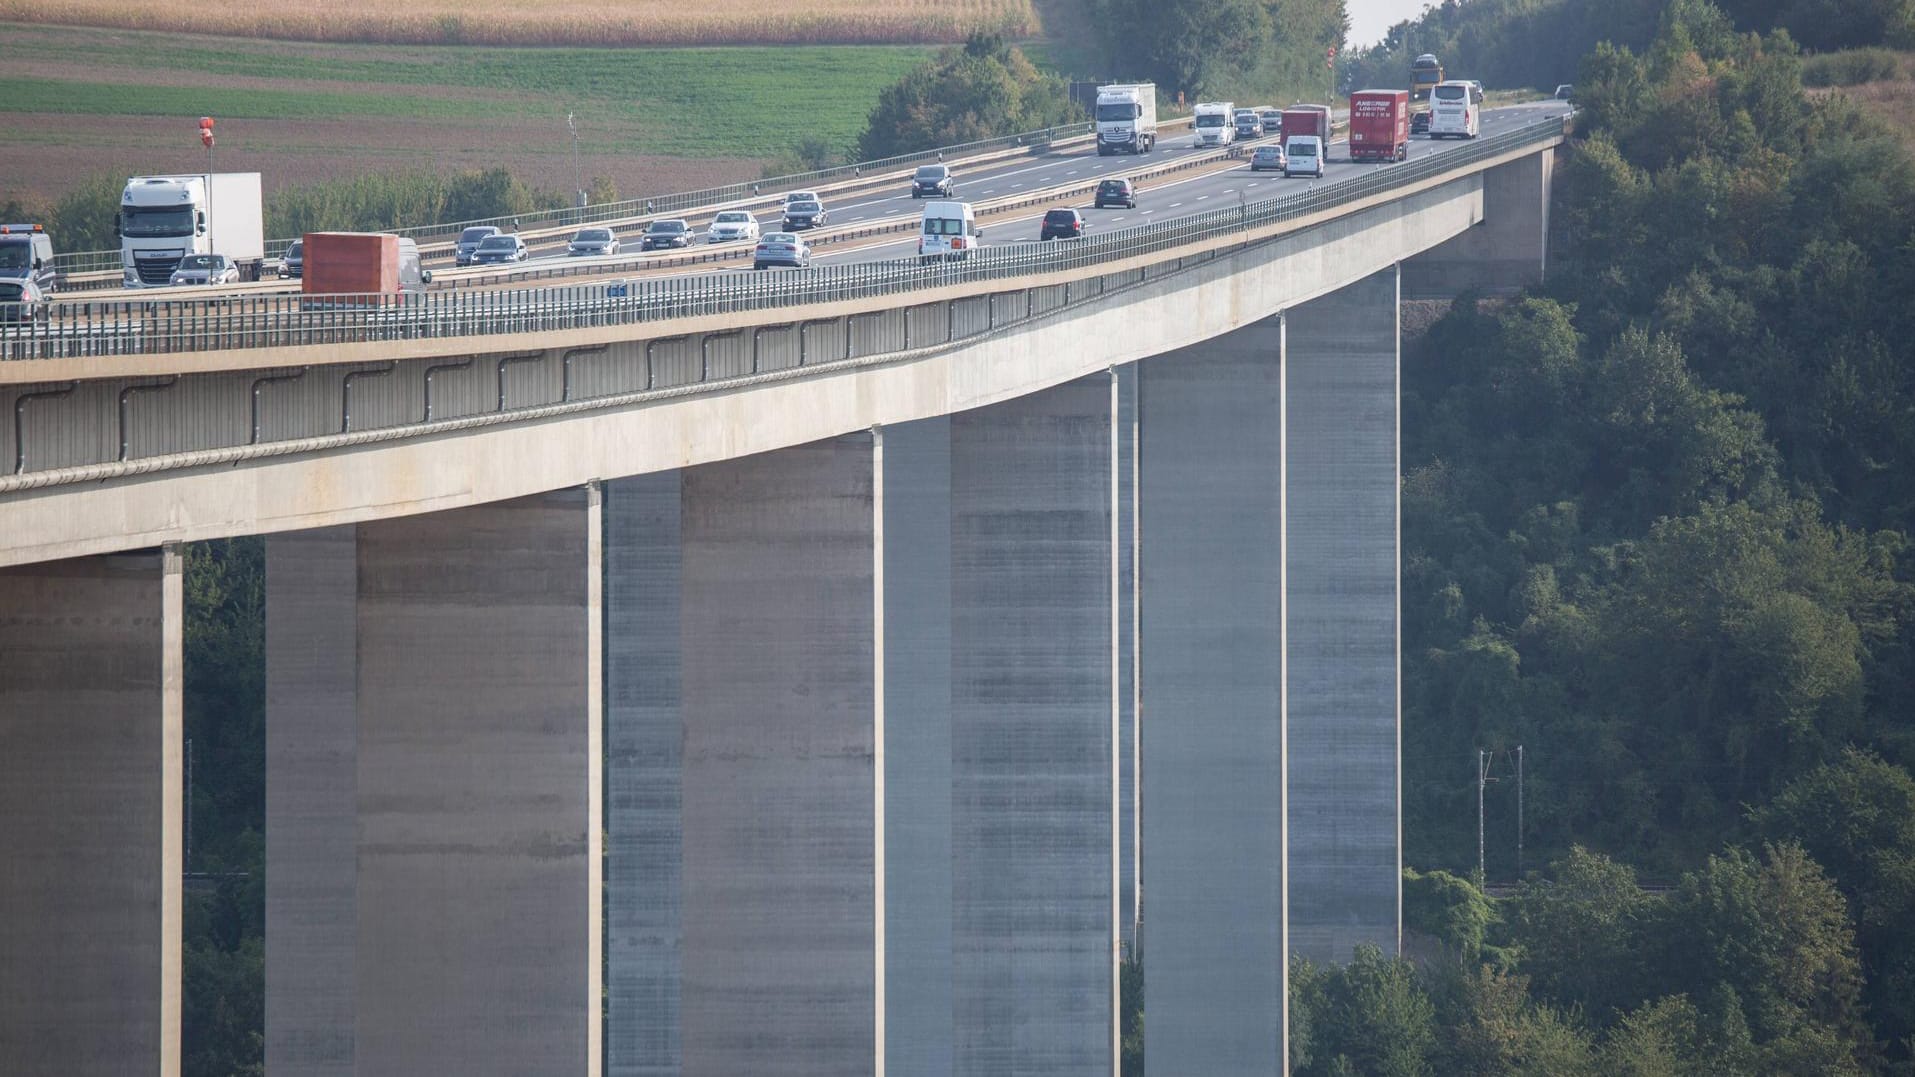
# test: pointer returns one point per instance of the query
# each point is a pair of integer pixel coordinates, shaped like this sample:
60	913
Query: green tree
1572	928
984	89
1449	909
1372	1018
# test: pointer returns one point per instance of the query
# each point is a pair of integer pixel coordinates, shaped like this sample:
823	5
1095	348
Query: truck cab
1126	118
26	253
1215	123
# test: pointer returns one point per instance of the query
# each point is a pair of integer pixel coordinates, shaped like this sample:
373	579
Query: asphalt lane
1177	195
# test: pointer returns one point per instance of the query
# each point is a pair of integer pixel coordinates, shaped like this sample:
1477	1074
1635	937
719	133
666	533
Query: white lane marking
1174	205
988	190
1072	172
1201	197
1115	219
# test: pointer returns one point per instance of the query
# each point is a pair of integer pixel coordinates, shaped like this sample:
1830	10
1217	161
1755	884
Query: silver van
26	253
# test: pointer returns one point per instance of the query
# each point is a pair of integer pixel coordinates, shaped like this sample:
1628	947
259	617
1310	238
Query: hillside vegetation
551	22
1539	43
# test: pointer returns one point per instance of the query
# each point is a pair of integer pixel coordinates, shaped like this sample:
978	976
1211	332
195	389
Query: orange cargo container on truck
361	264
1379	125
1307	120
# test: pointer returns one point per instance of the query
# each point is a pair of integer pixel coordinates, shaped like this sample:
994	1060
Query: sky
1370	19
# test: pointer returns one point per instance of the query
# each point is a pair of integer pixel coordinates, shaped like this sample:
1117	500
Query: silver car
591	242
206	269
1268	157
781	249
731	226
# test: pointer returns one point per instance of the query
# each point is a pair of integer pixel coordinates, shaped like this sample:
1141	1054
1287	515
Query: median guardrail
134	327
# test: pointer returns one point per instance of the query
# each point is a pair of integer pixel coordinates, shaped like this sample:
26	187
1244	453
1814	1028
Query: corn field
565	22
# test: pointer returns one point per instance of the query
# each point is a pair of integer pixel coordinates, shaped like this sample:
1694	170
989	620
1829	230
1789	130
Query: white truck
1215	123
165	218
1126	118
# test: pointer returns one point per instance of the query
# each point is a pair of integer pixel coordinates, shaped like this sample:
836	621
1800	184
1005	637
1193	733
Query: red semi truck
1307	120
1379	125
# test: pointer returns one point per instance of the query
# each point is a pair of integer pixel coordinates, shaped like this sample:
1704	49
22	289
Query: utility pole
578	176
186	857
1482	780
1519	813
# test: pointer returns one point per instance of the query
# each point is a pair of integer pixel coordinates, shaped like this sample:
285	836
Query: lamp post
206	139
578	177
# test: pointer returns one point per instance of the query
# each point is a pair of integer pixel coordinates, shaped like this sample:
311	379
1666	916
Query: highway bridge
828	670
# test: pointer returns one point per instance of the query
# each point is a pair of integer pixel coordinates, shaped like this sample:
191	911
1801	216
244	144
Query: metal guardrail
99	261
134	327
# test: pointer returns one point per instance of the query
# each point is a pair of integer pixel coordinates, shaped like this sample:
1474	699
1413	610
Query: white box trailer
1126	118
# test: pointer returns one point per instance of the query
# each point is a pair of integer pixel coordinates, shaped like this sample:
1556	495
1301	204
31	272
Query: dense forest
1654	521
1540	43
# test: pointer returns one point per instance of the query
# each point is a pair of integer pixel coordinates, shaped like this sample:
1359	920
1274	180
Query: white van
1303	156
1214	123
949	230
1453	110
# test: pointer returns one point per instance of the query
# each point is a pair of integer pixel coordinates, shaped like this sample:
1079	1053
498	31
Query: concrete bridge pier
433	799
862	751
1342	613
1506	251
1211	585
90	717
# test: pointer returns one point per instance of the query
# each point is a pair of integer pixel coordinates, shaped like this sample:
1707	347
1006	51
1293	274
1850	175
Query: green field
722	101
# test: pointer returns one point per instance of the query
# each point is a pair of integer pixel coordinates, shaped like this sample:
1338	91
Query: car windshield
1303	149
157	222
805	207
594	235
16	254
11	291
1123	110
1210	120
932	172
1060	216
666	227
473	235
1451	93
732	217
944	226
202	261
296	248
498	243
1112	185
780	237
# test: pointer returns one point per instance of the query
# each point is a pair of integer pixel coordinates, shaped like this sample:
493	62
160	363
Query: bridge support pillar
1211	578
1342	697
863	753
1507	252
90	897
1034	770
433	798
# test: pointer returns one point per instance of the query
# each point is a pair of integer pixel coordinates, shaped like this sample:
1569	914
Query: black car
930	180
664	235
1420	122
802	215
1116	192
293	262
1062	224
469	240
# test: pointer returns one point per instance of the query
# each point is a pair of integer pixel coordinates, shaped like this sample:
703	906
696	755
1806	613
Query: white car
731	226
206	269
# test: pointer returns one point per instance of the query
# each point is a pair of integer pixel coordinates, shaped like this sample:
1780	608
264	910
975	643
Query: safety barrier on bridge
135	327
98	261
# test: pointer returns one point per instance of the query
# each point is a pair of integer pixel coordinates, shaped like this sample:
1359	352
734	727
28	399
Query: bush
1851	68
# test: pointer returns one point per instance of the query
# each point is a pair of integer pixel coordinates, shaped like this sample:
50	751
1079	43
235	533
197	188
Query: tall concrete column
782	822
915	516
1343	699
1508	251
644	734
1033	734
1210	574
1129	699
452	822
90	730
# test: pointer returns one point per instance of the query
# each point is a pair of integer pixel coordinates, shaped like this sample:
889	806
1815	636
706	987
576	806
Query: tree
1371	1018
982	90
1572	930
1856	817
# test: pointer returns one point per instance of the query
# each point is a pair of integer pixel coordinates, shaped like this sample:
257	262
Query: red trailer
1379	125
358	268
1307	120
